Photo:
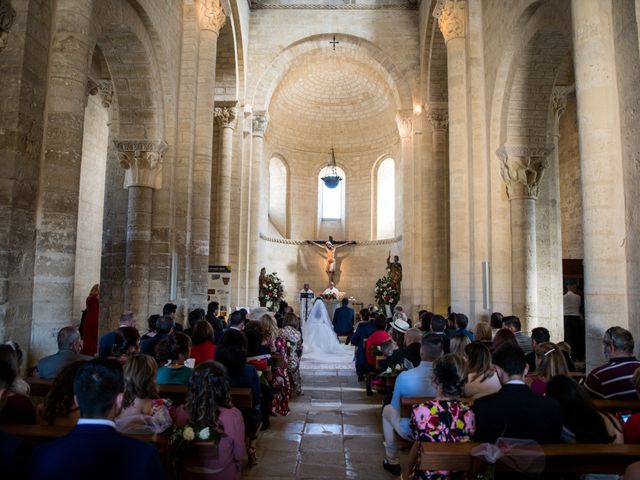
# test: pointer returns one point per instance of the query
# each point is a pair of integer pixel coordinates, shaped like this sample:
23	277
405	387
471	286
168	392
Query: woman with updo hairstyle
171	354
203	348
276	342
482	378
483	333
59	407
126	342
549	363
445	418
143	412
209	406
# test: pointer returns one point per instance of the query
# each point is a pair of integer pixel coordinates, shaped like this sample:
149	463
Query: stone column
404	119
522	168
142	161
606	258
211	18
59	176
226	118
439	118
7	17
256	207
452	20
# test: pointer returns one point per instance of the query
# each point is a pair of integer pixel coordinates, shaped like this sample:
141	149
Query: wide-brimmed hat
400	325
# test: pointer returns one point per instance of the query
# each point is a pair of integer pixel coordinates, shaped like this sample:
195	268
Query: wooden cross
334	42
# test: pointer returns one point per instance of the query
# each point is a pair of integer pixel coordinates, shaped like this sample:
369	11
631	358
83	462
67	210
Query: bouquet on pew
182	438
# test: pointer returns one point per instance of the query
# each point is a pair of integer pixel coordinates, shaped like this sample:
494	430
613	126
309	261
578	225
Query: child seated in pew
59	407
143	411
209	406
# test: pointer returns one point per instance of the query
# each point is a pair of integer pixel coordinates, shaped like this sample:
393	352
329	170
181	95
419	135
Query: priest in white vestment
306	298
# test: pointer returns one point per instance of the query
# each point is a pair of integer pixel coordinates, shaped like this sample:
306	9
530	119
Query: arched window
386	199
331	199
278	195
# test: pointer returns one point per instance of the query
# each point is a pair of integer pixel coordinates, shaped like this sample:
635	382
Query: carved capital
142	161
522	168
104	88
7	17
404	119
211	15
559	99
259	124
439	118
226	116
452	18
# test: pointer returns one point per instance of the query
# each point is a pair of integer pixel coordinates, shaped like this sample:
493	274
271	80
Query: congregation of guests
117	392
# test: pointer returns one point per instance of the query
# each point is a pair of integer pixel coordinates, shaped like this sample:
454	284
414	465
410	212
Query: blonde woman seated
59	407
482	378
444	419
457	344
142	409
549	363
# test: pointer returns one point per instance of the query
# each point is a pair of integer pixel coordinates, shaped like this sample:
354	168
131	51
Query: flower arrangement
386	292
329	296
182	438
273	292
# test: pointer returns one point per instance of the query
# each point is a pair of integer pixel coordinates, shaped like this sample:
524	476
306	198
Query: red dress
203	352
90	328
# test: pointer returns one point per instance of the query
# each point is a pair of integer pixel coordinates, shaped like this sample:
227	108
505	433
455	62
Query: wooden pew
240	396
37	434
559	458
613	406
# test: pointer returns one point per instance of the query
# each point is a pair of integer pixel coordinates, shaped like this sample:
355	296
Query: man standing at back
515	411
573	322
94	449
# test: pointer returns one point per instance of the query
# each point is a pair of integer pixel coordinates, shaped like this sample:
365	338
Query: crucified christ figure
329	247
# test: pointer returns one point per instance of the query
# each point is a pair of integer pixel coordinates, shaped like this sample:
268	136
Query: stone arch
227	75
267	84
130	54
434	59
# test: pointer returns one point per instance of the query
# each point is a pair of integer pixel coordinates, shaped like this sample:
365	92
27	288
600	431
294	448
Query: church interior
491	146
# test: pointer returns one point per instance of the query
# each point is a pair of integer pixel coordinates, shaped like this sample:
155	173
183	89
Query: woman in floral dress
292	335
274	339
444	419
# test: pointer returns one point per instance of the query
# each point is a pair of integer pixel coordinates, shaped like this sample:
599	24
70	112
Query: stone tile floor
334	431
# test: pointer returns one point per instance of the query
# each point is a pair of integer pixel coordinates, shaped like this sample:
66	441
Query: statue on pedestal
395	272
262	287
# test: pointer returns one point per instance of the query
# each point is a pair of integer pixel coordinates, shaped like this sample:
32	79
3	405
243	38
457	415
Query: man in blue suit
343	320
365	328
94	449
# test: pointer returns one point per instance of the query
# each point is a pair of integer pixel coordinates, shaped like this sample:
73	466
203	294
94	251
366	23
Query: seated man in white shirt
416	382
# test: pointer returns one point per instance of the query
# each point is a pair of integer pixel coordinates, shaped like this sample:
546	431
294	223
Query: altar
331	306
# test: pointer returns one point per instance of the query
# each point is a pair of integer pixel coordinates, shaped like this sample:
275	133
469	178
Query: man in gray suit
69	347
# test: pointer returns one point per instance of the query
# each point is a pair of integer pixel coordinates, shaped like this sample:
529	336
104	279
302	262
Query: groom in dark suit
94	449
515	411
343	319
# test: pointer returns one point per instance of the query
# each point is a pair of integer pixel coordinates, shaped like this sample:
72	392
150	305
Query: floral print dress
294	345
441	421
280	379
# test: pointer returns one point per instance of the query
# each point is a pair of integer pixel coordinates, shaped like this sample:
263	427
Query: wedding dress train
320	342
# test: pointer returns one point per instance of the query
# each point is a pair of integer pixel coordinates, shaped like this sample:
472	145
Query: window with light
386	199
331	199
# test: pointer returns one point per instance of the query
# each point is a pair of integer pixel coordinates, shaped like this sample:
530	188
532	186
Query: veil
319	315
320	339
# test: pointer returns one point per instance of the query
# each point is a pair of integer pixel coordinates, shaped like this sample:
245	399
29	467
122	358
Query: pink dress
230	447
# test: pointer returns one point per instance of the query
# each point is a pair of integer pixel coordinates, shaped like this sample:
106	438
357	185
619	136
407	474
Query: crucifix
334	42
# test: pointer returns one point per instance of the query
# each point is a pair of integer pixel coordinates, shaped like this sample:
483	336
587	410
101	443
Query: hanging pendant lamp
332	180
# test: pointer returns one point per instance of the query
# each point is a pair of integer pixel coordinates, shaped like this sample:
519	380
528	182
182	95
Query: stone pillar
211	18
606	258
439	118
226	118
452	20
404	119
7	17
257	209
59	176
522	168
142	161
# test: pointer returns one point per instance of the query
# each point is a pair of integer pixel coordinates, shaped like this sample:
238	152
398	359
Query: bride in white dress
321	344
